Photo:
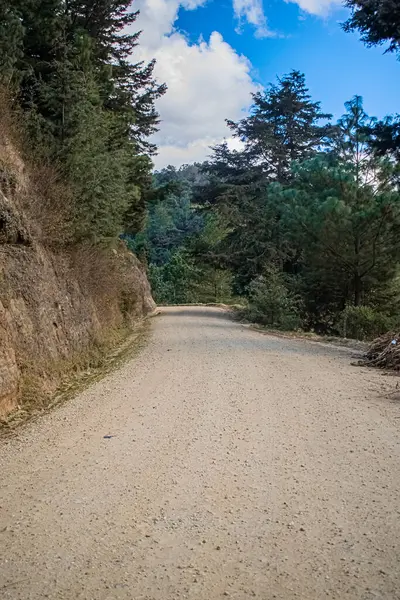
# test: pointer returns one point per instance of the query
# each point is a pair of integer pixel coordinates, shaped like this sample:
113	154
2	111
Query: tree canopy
378	22
302	221
87	106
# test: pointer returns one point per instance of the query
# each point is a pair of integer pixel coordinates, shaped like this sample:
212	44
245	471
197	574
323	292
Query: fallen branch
384	352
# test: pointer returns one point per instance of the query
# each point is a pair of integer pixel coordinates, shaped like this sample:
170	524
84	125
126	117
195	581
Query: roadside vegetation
301	225
85	110
77	111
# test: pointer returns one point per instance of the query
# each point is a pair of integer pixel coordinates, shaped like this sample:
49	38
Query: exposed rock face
54	304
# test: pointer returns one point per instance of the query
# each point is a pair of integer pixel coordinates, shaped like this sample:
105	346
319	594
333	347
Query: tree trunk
357	289
357	278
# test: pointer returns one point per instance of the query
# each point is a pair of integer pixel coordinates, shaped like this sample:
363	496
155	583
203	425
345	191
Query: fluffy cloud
197	151
316	7
207	82
252	11
157	18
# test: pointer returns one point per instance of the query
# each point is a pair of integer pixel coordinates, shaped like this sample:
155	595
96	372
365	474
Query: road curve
241	465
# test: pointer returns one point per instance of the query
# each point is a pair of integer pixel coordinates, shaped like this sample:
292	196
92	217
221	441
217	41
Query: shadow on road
197	312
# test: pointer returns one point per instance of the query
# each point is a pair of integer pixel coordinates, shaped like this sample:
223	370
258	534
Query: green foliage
329	220
378	21
87	106
212	285
99	173
179	242
172	283
170	222
344	212
283	126
271	303
385	137
11	38
363	323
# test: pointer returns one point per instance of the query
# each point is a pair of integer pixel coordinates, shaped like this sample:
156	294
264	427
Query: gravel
219	463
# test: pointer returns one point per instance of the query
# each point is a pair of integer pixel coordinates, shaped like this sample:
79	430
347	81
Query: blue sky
337	65
214	53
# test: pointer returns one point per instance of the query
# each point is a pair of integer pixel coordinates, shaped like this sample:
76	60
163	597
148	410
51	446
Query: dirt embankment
55	303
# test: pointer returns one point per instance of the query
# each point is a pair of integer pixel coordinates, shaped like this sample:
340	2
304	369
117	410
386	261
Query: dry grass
74	375
68	306
47	205
36	187
97	271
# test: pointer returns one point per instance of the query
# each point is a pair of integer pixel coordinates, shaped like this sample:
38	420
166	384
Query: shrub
212	284
363	323
172	283
271	303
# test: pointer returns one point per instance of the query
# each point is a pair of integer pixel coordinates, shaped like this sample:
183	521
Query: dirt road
240	465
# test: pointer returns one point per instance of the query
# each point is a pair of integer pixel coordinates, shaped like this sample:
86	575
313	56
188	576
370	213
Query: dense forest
300	226
85	110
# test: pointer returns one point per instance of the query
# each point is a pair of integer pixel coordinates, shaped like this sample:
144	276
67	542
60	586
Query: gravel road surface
219	463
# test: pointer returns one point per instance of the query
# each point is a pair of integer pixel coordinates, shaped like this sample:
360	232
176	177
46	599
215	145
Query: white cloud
252	11
195	151
208	82
157	18
316	7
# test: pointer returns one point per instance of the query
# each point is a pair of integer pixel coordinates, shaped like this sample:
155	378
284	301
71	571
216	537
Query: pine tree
283	127
11	37
378	22
128	87
87	106
106	22
344	212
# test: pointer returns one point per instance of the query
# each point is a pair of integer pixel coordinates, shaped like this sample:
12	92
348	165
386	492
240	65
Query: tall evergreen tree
87	105
11	37
128	87
284	125
346	212
378	22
